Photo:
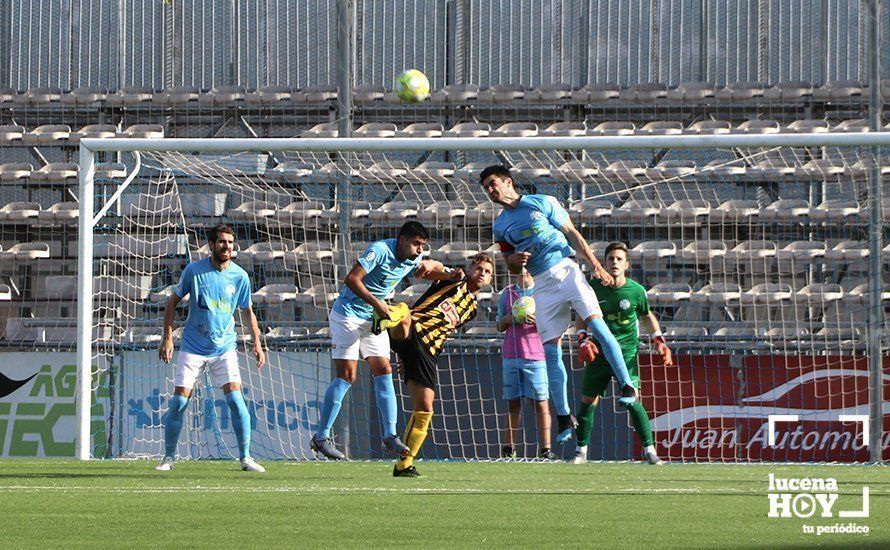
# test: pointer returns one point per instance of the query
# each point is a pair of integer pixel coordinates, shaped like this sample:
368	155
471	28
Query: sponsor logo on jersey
450	312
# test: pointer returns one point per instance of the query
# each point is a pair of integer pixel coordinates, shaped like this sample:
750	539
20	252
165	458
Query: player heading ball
534	232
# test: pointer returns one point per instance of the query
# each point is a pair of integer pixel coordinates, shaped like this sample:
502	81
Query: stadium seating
759	242
595	93
421	129
549	93
15	171
19	212
269	95
131	96
691	91
313	95
47	134
85	96
94	131
222	95
34	97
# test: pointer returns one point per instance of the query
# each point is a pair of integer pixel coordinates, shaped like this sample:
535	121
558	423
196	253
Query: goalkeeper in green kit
622	304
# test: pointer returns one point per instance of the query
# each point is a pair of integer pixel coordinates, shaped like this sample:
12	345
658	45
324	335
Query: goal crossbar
860	139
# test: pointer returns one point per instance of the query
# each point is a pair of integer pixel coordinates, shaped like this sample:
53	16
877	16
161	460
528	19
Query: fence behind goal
755	251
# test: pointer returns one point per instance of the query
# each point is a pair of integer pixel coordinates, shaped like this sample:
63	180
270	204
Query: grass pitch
55	504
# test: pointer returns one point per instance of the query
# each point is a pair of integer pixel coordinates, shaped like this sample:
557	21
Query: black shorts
418	364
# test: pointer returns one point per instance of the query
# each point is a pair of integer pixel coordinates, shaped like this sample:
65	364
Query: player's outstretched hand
666	356
604	276
517	260
530	319
260	357
166	350
457	274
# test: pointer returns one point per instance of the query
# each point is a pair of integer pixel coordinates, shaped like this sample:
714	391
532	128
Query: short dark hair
615	246
414	229
495	170
214	232
482	258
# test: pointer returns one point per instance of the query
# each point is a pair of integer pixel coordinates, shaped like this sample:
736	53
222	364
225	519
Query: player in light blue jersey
535	232
217	287
372	279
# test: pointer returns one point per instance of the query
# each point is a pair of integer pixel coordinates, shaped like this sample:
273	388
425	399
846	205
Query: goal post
754	285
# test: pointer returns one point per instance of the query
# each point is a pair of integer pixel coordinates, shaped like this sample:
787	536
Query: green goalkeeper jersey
621	309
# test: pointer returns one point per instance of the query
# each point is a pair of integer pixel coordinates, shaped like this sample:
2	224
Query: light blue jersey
384	272
533	227
210	327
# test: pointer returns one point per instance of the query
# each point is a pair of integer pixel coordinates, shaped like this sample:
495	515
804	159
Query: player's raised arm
583	249
431	270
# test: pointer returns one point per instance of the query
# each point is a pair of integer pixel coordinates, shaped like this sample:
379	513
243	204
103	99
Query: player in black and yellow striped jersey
444	307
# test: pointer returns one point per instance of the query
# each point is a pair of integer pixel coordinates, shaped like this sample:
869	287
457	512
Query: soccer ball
522	308
412	86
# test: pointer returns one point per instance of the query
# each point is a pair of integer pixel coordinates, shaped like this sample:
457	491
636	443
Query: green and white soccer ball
522	308
412	86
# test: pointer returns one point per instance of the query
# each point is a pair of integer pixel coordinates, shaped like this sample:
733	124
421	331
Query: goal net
756	259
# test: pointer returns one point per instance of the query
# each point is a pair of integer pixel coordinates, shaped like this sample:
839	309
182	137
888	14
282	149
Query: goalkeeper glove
587	350
661	347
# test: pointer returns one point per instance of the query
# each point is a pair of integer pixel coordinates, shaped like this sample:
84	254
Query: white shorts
351	337
559	290
223	368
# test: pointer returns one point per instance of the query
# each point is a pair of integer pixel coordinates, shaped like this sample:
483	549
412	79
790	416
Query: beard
221	256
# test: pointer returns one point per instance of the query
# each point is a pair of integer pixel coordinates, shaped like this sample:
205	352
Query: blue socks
557	378
386	403
610	348
240	421
173	423
333	400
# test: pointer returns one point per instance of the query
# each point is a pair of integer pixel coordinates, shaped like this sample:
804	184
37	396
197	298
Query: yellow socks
415	434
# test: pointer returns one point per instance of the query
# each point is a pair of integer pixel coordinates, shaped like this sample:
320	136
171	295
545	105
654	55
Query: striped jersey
443	308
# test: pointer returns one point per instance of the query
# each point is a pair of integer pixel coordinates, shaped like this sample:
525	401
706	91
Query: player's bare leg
542	419
511	430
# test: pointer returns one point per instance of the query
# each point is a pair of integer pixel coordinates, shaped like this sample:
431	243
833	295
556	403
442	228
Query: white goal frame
87	219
